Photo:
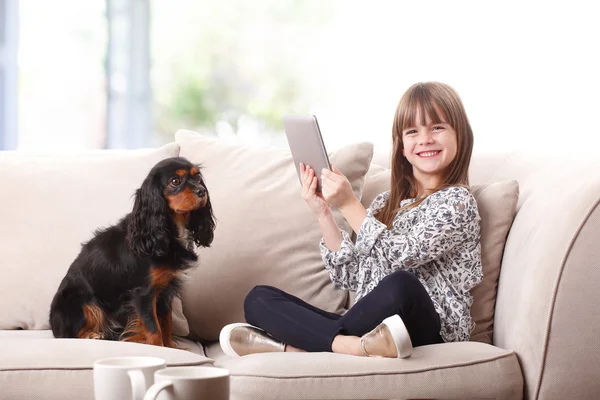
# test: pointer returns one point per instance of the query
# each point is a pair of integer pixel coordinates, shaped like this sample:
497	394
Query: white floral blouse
438	241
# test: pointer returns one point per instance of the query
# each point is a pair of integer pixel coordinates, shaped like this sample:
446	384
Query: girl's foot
388	339
242	339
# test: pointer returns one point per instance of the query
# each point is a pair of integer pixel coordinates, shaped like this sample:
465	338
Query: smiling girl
417	252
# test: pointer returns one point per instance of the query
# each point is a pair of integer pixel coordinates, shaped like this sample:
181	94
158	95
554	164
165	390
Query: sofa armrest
547	309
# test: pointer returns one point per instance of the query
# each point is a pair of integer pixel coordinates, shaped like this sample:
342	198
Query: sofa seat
33	365
467	370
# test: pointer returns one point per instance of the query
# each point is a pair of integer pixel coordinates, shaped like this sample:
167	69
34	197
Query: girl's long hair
442	104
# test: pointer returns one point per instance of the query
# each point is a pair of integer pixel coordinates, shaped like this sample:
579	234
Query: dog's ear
202	225
147	231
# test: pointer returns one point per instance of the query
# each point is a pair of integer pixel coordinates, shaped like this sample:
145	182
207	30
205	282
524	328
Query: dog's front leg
166	324
165	319
146	329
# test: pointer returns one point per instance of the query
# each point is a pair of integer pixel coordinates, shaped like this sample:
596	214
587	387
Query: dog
122	283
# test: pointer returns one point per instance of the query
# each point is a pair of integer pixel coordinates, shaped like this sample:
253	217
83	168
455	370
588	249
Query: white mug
125	377
190	383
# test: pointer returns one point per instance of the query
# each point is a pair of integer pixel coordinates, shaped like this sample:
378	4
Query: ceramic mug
190	383
125	377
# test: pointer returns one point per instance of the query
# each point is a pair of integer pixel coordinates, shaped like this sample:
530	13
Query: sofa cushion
182	343
265	233
50	205
62	369
497	203
432	372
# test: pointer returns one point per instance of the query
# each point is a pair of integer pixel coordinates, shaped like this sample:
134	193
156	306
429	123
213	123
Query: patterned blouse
438	241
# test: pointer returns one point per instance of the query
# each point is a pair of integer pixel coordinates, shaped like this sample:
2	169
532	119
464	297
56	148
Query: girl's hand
309	193
336	188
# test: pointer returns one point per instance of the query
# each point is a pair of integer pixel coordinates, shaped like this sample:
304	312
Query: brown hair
442	104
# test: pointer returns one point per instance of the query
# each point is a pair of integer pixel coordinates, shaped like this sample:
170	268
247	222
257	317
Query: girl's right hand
315	200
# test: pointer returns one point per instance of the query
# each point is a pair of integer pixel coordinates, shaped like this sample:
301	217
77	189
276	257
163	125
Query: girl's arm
338	254
355	213
337	250
331	233
342	262
337	191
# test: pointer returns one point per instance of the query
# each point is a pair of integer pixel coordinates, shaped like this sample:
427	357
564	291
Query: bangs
419	103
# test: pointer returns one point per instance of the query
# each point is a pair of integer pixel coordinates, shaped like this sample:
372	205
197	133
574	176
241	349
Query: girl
416	257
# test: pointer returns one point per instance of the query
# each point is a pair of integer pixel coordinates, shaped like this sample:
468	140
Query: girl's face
430	148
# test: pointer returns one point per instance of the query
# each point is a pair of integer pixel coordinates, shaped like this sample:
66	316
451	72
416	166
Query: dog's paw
168	342
94	335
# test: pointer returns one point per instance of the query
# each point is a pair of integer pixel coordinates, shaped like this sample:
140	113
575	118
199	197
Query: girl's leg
399	293
291	320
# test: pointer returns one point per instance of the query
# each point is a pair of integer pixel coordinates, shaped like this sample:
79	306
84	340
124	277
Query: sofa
537	311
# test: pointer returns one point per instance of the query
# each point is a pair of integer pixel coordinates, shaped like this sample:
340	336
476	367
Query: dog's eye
175	181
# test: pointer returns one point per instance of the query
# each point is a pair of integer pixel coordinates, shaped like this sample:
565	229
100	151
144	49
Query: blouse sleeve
343	265
450	218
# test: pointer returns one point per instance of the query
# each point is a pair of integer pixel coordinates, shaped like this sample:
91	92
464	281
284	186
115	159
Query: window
62	93
129	73
8	74
233	67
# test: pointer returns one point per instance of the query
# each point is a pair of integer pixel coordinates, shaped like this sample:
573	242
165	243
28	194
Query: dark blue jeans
297	323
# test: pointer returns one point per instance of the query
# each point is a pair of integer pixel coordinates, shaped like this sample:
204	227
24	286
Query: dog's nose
200	192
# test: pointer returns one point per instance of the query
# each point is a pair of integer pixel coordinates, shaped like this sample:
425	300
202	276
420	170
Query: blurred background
129	73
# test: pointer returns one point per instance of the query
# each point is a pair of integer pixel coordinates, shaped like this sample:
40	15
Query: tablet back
306	143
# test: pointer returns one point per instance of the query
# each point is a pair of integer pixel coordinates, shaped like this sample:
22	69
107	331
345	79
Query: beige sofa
542	324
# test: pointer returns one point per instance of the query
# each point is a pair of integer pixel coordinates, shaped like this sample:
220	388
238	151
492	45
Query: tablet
306	144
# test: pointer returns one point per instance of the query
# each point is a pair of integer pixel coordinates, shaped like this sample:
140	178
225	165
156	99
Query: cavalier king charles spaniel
122	283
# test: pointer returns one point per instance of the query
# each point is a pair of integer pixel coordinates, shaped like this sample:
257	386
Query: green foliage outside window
216	61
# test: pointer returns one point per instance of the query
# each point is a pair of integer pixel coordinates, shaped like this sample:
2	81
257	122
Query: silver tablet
306	143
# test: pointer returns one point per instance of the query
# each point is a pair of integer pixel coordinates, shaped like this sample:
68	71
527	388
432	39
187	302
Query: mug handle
156	389
138	384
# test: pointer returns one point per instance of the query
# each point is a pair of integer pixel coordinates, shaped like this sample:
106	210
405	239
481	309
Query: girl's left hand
336	188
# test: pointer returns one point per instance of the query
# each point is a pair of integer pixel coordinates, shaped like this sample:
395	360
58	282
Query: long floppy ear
147	231
202	225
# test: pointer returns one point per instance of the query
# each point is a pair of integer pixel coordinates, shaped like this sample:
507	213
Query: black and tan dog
122	283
